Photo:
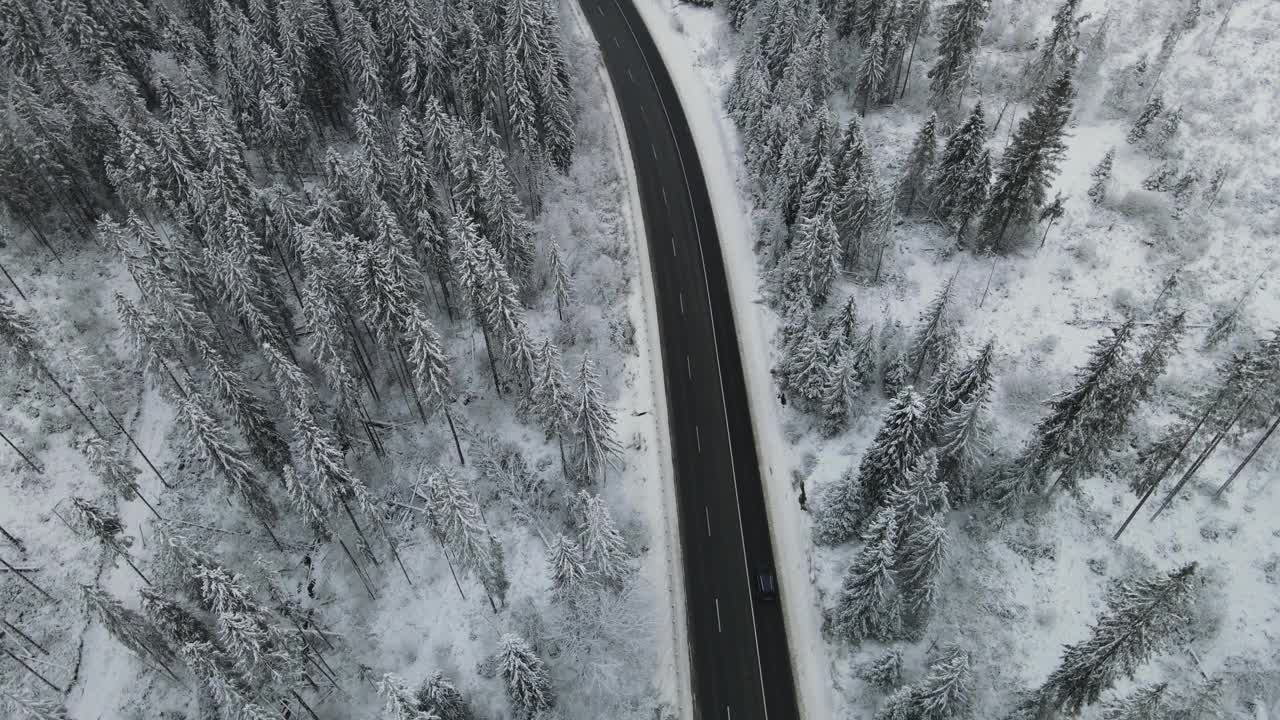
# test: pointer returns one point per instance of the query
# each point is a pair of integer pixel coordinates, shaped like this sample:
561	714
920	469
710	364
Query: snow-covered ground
1016	590
415	625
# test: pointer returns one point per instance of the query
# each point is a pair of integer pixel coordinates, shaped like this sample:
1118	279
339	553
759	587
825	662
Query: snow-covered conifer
1143	616
439	697
1058	51
840	510
1150	112
1146	703
1164	178
960	26
455	516
811	264
964	172
1101	175
913	189
885	671
947	690
568	569
400	703
931	344
872	70
603	549
894	450
593	425
1166	131
527	678
128	626
561	285
869	606
111	466
1073	414
215	450
1029	165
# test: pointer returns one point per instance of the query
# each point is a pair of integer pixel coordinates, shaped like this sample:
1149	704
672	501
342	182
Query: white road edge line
710	311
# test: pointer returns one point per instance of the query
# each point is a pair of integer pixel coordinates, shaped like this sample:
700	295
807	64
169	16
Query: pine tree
963	443
1031	162
549	400
603	549
1165	132
439	697
869	606
749	94
844	383
568	569
593	425
1163	179
1095	53
400	702
1145	703
885	671
35	707
802	370
913	190
964	172
960	26
528	681
107	527
1150	111
893	451
1143	616
1101	178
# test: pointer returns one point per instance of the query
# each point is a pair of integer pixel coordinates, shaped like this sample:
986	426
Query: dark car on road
766	584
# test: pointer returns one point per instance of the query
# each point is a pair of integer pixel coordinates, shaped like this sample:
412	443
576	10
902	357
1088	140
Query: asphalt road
740	662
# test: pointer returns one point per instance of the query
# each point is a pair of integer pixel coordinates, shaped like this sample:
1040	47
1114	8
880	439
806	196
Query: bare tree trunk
493	367
120	426
359	570
27	580
1253	451
1204	455
21	454
10	537
25	636
453	429
31	670
14	284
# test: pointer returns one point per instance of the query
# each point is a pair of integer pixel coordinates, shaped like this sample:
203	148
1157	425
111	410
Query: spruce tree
872	70
603	550
440	698
400	703
112	467
964	172
129	627
1150	112
1143	616
567	566
1101	178
1058	51
931	344
1145	703
1065	430
869	606
527	678
1031	162
455	517
894	450
913	189
810	265
593	425
960	26
216	452
839	511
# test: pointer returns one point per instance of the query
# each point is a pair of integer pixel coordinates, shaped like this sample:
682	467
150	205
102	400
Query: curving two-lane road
740	662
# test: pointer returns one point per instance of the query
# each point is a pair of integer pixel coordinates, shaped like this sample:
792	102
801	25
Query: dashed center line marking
719	627
697	432
633	77
707	512
681	303
615	41
673	246
664	196
688	367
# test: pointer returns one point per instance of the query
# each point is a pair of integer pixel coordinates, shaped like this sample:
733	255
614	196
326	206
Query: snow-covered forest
326	390
1015	258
